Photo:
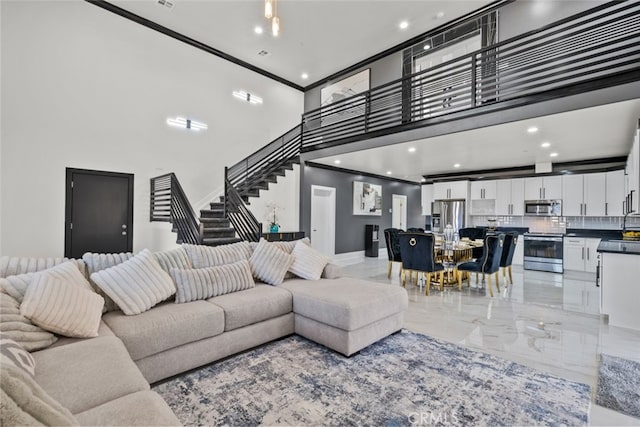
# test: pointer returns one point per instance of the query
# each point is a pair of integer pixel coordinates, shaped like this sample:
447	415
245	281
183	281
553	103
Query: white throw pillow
288	246
206	256
136	285
96	262
202	283
173	258
62	307
308	263
269	263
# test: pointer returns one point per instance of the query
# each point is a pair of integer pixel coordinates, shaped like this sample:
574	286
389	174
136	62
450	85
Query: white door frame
402	213
330	225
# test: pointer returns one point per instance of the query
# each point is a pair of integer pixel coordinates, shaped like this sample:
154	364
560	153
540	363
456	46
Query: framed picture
367	199
345	88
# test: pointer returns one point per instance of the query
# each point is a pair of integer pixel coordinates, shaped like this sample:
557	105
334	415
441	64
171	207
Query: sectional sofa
105	380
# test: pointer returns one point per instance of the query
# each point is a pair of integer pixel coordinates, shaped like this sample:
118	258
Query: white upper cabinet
510	196
451	190
539	188
595	194
427	199
483	190
615	193
572	197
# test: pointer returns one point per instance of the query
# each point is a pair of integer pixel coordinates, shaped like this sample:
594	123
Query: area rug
619	385
404	379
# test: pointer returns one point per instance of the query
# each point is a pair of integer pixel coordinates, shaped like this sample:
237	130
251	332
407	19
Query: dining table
452	254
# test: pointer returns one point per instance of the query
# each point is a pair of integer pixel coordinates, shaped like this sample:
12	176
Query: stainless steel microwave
543	207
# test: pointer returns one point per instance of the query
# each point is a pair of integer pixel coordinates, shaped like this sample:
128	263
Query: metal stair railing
244	222
169	203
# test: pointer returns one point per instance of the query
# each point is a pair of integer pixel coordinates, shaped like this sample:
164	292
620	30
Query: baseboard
349	258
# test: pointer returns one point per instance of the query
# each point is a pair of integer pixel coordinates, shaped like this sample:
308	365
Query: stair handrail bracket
169	203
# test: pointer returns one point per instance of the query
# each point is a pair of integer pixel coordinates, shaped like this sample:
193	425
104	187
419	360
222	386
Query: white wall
84	88
286	194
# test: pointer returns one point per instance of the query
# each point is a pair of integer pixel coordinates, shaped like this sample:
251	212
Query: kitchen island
619	269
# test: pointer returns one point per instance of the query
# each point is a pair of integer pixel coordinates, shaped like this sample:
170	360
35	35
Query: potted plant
272	217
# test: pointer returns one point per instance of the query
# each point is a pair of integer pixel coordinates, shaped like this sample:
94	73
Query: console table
283	236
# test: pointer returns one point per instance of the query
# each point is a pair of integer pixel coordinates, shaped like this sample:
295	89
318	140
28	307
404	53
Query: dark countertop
620	247
594	233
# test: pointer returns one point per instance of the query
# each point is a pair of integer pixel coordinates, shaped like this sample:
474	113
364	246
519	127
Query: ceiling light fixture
337	161
532	129
304	76
545	144
257	29
440	15
246	96
457	165
268	8
275	26
271	12
553	155
388	172
412	149
426	47
404	25
181	122
423	179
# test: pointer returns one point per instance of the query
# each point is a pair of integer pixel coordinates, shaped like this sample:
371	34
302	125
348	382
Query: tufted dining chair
510	242
393	247
489	263
418	256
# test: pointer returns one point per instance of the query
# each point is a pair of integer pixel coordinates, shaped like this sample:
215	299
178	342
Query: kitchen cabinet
518	253
633	176
510	196
615	193
619	290
451	190
427	198
543	188
483	190
580	254
580	296
584	195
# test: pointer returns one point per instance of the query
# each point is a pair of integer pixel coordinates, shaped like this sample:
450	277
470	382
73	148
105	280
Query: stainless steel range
543	252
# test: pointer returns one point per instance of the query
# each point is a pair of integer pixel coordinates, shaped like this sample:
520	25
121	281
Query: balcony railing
595	49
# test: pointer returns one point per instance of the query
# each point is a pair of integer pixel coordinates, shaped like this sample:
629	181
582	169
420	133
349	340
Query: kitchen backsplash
555	224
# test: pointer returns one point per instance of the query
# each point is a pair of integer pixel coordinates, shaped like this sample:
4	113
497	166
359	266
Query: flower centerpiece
272	216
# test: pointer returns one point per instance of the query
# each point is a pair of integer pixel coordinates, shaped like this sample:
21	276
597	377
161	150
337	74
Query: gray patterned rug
404	379
619	385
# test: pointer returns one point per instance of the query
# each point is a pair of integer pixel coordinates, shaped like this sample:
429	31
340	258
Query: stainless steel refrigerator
445	212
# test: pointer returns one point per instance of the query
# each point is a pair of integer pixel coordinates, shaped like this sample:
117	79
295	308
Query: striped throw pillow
62	307
269	263
308	262
288	246
136	285
206	256
173	258
97	262
202	283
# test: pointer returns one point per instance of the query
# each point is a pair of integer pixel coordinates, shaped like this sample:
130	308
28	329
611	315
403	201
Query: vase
274	228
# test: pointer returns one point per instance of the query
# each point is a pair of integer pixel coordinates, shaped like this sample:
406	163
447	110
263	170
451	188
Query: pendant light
268	8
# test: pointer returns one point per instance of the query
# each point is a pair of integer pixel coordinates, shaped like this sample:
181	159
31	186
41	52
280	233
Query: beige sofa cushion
62	307
206	256
346	303
144	408
88	373
166	326
136	285
269	263
253	305
309	263
103	331
202	283
96	262
15	326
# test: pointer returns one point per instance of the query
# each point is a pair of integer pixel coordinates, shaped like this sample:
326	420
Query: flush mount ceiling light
545	144
532	129
181	122
246	96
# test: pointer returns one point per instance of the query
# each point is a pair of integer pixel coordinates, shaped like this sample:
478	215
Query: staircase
216	228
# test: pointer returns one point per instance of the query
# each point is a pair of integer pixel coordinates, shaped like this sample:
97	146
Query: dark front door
99	212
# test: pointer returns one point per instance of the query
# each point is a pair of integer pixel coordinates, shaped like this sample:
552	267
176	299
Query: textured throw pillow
173	258
136	285
202	283
63	308
13	354
15	326
12	266
269	263
288	246
71	271
308	262
96	262
207	256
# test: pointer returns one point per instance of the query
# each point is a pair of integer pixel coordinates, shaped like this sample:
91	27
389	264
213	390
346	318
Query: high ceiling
317	37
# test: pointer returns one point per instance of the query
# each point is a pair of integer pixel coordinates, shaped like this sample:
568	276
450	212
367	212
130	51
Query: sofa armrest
332	271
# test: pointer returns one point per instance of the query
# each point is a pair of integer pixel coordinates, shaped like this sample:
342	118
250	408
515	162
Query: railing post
152	201
473	80
226	197
367	110
301	132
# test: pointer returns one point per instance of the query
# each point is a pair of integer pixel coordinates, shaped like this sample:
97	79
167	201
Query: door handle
606	208
582	253
585	209
587	254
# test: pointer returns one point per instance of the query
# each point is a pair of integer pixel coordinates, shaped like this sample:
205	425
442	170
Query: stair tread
212	241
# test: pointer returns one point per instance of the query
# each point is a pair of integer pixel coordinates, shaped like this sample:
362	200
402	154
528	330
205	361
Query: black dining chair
489	263
415	230
510	242
418	255
393	247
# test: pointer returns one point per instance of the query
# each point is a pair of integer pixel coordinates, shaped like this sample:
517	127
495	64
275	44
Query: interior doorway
323	219
399	211
99	212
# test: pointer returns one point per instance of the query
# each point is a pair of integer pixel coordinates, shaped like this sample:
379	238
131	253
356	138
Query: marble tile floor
508	325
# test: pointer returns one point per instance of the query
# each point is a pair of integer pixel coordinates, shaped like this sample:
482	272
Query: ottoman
346	314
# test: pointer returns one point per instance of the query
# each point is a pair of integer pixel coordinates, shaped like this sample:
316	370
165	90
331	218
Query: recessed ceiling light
423	179
545	144
532	129
440	15
388	172
412	149
426	47
553	155
337	161
304	76
404	25
457	165
258	29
